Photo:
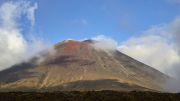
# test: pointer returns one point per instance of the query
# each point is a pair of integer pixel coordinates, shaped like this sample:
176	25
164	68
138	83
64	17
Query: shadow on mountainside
64	60
18	71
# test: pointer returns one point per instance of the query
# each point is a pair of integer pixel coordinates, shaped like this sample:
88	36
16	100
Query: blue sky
147	30
59	20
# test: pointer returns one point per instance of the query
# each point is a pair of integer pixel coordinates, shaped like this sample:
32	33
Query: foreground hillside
89	96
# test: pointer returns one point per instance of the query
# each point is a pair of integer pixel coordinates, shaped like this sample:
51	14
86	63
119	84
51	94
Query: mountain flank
84	67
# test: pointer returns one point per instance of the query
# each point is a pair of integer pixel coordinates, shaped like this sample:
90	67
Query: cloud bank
83	21
158	47
13	46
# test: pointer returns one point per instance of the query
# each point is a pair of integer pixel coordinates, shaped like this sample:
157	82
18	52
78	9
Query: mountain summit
81	66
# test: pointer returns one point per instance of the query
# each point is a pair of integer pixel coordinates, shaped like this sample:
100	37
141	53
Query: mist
14	47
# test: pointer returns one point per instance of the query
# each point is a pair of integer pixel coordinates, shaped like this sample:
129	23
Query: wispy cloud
84	22
30	13
74	21
125	22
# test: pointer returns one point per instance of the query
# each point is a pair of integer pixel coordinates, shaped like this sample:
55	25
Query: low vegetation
89	96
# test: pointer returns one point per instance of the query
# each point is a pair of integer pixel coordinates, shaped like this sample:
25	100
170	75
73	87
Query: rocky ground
89	96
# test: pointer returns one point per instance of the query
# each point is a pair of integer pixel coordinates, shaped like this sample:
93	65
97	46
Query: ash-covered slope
81	66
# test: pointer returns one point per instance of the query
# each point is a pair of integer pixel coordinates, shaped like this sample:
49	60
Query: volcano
81	66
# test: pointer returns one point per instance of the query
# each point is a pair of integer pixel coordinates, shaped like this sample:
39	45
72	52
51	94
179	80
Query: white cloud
37	44
152	50
156	30
105	43
173	30
13	46
158	47
83	39
30	13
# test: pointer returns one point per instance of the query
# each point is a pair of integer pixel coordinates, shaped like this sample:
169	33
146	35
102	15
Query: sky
119	19
147	30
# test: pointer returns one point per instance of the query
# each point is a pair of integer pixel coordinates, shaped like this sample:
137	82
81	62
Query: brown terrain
81	66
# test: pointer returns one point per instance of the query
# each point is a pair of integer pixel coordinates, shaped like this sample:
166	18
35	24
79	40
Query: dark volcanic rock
90	41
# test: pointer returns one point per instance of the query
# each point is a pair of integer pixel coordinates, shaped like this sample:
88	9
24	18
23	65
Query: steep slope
81	66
